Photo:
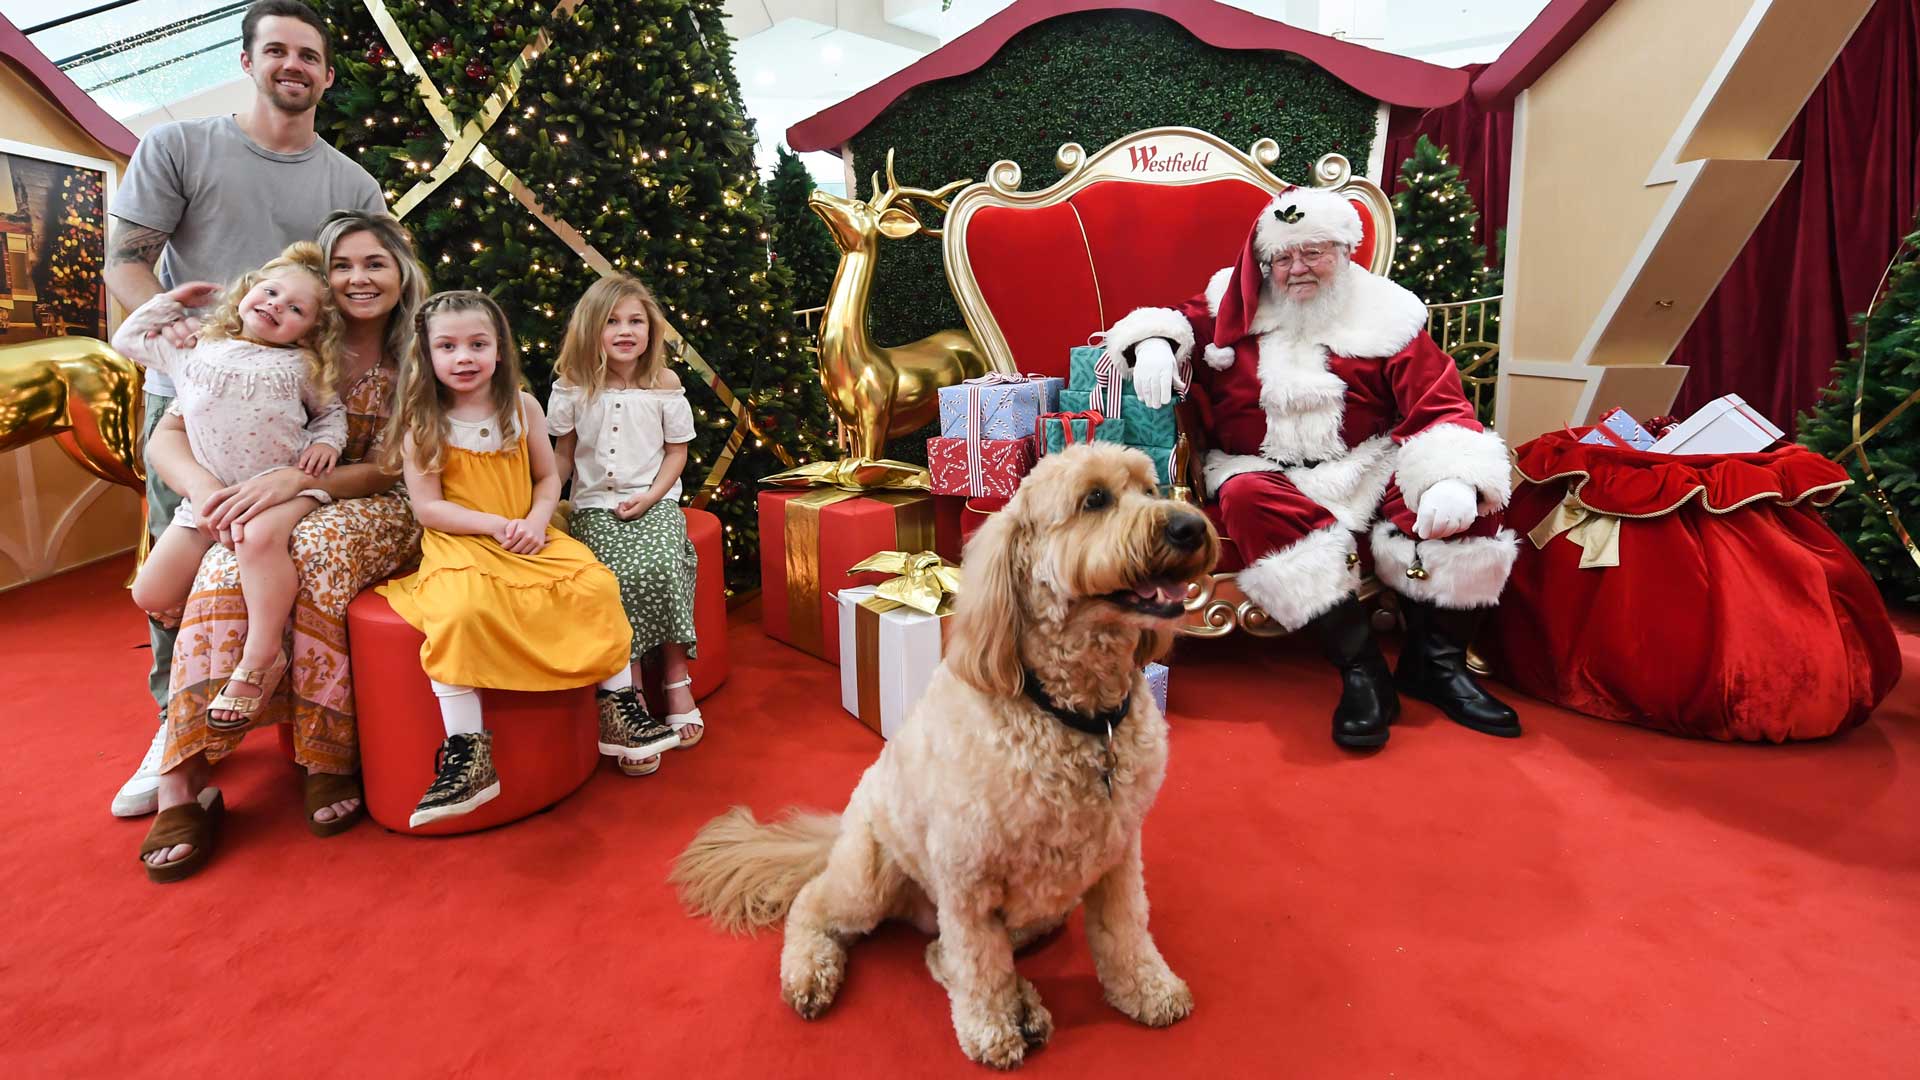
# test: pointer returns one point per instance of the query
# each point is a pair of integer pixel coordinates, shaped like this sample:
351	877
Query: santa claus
1330	413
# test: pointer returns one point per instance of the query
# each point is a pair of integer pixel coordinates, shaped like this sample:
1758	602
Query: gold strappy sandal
268	681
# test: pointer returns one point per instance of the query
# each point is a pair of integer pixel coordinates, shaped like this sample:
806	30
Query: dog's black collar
1101	723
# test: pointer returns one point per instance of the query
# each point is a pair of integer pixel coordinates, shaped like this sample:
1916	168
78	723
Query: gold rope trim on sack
1573	491
466	147
1859	444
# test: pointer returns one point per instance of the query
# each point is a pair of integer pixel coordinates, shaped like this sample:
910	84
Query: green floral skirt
655	562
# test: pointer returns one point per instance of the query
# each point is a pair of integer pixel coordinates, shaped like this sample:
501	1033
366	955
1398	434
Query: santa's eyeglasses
1309	257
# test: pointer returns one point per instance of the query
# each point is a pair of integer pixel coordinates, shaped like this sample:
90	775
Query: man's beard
291	101
1310	319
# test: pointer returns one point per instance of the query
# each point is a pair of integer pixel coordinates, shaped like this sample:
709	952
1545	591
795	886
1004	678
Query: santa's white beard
1311	319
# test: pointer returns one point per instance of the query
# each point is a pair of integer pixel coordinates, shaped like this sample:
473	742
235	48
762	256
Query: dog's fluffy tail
743	874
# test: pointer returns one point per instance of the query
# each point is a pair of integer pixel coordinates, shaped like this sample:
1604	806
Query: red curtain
1481	143
1779	322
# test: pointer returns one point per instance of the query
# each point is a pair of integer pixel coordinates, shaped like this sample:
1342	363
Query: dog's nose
1186	530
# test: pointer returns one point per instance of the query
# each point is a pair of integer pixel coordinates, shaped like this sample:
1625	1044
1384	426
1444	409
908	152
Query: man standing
1332	413
210	199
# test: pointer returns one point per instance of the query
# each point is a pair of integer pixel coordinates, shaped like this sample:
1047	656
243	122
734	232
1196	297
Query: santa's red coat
1320	434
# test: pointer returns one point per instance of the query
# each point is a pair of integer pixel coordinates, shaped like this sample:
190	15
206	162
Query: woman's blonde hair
420	406
322	343
414	286
583	363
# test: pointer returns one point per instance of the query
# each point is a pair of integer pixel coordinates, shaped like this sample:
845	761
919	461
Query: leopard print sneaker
464	779
628	731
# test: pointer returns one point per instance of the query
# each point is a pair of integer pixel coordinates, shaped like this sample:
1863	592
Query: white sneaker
140	795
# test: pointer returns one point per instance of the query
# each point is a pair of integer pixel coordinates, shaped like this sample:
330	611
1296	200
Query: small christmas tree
801	242
1891	336
1438	257
76	256
627	126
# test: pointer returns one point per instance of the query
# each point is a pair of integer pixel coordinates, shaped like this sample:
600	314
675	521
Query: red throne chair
1144	221
545	745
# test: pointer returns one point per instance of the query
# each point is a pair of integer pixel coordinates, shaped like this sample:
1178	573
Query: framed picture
53	242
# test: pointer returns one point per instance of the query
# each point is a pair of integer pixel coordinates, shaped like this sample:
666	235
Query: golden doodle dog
1017	787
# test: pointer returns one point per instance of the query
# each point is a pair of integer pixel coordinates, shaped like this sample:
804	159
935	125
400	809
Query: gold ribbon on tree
1597	534
1858	447
465	146
922	581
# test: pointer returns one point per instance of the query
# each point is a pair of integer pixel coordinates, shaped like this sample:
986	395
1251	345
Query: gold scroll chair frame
1218	606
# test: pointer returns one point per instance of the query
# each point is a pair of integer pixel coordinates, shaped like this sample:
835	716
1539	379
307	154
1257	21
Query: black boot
1367	701
1433	668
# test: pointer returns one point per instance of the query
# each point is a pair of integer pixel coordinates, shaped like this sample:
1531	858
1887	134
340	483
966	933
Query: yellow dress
493	619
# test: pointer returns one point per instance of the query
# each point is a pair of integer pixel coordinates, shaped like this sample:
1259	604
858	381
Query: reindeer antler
895	194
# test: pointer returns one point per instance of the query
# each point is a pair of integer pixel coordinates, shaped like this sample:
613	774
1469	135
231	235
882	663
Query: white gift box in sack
887	658
1725	425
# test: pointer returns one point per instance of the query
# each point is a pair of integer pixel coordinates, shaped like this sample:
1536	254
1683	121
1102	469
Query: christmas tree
1889	352
76	256
625	132
801	242
1437	256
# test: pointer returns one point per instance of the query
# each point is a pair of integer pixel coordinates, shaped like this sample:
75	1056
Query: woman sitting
364	535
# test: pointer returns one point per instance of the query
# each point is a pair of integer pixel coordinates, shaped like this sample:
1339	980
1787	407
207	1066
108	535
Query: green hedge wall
1088	78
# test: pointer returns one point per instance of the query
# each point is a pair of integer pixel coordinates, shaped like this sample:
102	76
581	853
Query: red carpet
1590	900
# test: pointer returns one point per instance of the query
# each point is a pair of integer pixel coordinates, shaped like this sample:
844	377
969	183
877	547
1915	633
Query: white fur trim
1142	324
1462	572
1452	452
1304	402
1221	467
1377	317
1326	217
1350	486
1218	357
1303	579
1217	289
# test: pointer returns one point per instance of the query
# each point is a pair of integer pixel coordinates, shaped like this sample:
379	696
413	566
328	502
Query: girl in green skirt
622	424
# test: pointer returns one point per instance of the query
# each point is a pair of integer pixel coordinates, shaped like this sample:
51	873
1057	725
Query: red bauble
730	489
440	48
479	71
769	423
498	30
376	53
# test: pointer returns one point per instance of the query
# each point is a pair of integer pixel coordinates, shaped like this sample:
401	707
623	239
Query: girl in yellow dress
506	601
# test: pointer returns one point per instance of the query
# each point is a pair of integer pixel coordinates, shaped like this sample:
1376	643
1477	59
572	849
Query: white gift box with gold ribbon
888	653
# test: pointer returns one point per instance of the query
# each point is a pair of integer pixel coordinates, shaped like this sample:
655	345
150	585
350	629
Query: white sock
619	680
459	708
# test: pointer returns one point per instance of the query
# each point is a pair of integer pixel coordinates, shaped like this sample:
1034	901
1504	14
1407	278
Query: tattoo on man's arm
136	244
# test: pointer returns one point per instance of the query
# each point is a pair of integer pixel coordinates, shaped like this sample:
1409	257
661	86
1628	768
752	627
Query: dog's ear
1153	645
988	620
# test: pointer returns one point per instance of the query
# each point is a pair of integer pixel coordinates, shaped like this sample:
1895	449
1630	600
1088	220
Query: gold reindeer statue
80	393
882	393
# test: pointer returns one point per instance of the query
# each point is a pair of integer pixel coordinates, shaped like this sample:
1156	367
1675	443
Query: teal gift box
1081	361
1140	425
1054	432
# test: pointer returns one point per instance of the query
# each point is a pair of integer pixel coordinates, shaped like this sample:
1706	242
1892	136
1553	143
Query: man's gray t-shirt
229	204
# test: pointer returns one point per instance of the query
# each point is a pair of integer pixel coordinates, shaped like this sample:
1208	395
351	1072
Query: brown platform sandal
268	681
325	789
197	823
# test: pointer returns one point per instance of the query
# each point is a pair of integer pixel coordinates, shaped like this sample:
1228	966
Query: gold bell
1416	571
1353	559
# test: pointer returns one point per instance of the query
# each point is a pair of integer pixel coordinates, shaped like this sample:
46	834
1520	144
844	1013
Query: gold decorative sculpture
882	393
81	394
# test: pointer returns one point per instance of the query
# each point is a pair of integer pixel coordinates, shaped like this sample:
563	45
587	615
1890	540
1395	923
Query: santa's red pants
1301	561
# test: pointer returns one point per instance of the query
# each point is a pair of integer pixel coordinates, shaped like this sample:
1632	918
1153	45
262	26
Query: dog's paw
994	1040
1156	998
1035	1022
812	969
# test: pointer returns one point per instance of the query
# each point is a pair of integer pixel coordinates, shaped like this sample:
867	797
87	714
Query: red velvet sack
1734	612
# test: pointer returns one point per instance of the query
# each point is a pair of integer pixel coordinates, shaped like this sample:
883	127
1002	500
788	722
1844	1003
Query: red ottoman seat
545	745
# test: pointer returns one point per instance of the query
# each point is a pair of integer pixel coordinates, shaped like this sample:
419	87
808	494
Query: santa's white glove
1448	507
1153	372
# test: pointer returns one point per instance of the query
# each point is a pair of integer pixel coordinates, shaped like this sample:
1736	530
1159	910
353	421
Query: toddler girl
506	601
622	425
257	394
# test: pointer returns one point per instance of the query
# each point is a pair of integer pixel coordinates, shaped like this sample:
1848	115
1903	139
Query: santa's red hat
1295	217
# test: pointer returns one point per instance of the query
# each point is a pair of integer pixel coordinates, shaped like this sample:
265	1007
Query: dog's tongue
1157	592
